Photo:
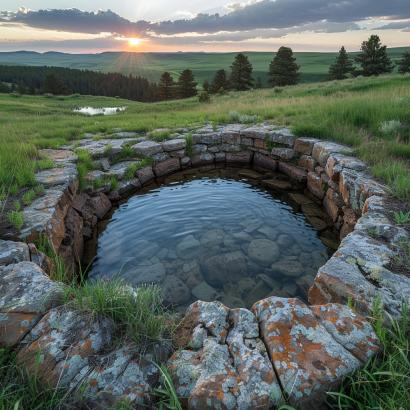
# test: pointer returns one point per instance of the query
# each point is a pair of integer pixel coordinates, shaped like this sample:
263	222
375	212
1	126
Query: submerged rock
225	267
263	251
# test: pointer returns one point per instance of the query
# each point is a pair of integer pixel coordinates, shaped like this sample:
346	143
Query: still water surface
222	237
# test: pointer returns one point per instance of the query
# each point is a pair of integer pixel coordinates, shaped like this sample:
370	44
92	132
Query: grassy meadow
314	65
370	114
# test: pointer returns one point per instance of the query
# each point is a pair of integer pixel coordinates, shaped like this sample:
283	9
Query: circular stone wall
230	358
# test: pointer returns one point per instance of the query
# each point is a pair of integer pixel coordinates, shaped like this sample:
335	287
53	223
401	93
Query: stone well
279	350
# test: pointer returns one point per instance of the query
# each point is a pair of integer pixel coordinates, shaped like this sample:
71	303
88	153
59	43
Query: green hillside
314	66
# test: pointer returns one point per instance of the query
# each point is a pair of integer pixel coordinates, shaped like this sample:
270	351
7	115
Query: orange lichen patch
93	382
260	144
14	325
348	328
306	357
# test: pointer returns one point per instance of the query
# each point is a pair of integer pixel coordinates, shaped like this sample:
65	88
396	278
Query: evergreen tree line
63	81
283	70
373	60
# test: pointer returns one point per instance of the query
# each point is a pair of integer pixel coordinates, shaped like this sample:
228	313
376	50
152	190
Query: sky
80	26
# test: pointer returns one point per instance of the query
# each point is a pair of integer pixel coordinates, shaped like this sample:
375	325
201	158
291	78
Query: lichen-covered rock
337	162
73	350
202	159
147	148
174	144
305	145
59	156
349	329
145	175
315	185
355	187
283	153
26	293
264	161
307	359
100	204
223	363
103	147
45	216
65	176
13	252
292	171
244	157
322	150
167	167
358	271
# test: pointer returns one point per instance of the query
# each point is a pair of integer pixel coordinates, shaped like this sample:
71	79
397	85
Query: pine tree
220	82
241	73
373	58
283	69
342	66
404	63
55	86
166	86
186	84
205	85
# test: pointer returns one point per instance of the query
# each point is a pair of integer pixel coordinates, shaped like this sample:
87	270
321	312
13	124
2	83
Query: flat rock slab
174	144
26	294
251	174
59	155
64	176
13	252
311	350
104	147
73	350
277	184
147	148
222	362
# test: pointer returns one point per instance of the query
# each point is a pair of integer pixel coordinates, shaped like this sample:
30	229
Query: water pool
211	237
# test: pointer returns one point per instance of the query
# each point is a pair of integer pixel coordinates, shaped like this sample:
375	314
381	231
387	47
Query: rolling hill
314	66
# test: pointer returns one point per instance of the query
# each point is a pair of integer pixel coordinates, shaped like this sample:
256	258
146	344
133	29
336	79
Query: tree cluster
185	87
372	59
58	80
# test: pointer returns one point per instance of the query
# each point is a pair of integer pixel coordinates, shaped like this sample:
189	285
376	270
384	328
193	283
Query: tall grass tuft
138	313
21	391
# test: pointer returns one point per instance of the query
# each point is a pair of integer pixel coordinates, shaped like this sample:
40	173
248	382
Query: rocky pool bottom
233	235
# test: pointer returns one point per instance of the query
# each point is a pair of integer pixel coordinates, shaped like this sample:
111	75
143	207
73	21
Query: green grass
401	217
16	218
44	163
353	111
84	164
59	271
21	391
139	314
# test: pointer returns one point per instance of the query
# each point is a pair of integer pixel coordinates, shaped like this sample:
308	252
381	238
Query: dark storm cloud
265	14
76	21
288	13
398	25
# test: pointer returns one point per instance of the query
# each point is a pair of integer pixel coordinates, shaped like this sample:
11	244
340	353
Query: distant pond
211	237
99	111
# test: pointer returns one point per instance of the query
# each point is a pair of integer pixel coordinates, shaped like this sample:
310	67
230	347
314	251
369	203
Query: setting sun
134	42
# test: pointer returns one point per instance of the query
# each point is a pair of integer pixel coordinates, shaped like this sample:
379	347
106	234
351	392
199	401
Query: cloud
397	25
287	13
251	18
76	21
